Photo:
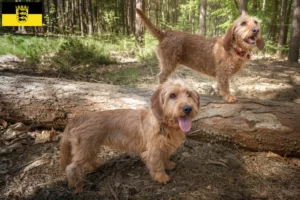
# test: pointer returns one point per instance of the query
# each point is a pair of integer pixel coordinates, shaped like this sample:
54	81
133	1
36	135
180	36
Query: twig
113	193
20	167
216	163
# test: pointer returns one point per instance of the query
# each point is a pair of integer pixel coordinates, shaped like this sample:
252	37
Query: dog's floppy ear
228	38
156	104
196	97
260	43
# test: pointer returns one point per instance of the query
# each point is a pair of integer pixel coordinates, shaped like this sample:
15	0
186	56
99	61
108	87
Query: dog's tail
65	151
156	32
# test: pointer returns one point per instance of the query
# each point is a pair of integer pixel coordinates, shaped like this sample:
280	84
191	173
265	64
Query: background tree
139	26
295	34
243	6
282	25
90	18
202	26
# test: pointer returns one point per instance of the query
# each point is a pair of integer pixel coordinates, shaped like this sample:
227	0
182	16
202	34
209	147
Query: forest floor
30	169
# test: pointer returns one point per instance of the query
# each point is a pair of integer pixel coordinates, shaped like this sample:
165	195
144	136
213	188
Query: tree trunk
116	17
202	27
55	16
156	12
73	20
251	124
243	6
282	25
139	26
175	14
287	21
80	17
90	18
274	27
255	6
295	34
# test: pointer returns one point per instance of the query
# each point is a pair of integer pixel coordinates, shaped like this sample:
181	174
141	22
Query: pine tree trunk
90	18
295	34
287	21
282	25
243	6
202	27
156	12
250	124
55	16
80	17
139	26
175	14
255	6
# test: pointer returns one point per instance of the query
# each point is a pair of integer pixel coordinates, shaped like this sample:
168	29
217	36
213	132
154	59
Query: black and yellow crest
22	14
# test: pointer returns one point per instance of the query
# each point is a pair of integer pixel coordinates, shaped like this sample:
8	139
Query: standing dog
219	57
153	134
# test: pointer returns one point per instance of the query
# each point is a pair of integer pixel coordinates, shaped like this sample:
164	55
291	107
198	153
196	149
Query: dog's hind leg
166	69
82	155
167	66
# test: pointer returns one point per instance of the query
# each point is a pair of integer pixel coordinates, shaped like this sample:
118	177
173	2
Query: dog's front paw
169	165
230	99
161	177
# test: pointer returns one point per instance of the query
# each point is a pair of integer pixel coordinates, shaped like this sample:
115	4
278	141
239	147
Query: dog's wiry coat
153	134
219	57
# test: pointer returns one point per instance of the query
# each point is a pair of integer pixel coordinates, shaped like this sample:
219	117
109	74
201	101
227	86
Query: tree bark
80	17
295	34
156	12
287	21
251	124
282	25
255	6
202	28
139	27
243	6
90	18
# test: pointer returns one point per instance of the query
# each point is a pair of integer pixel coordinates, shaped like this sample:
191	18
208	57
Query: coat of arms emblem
22	13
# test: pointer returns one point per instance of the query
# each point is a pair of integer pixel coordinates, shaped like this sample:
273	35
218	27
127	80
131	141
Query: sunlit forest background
114	30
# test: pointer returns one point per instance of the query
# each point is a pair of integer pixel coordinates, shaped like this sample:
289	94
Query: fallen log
251	124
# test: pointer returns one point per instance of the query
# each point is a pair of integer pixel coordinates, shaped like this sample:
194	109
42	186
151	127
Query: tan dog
219	57
153	134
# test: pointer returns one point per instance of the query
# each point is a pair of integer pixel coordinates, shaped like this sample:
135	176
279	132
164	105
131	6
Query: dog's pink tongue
184	124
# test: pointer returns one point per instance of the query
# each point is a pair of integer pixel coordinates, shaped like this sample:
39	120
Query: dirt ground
204	170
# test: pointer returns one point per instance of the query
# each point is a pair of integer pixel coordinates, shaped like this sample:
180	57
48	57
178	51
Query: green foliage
31	48
123	76
77	53
148	57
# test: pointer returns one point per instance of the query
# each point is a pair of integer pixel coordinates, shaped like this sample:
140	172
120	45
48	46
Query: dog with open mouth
219	57
153	134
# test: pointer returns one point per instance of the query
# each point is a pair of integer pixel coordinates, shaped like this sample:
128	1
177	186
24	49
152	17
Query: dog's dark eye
188	94
243	23
172	96
255	22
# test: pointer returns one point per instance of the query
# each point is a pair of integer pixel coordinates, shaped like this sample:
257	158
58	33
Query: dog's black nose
255	30
187	109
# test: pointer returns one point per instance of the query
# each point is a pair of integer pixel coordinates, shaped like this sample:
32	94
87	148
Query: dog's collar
242	53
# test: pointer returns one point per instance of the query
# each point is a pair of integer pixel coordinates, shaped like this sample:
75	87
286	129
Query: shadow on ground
204	171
